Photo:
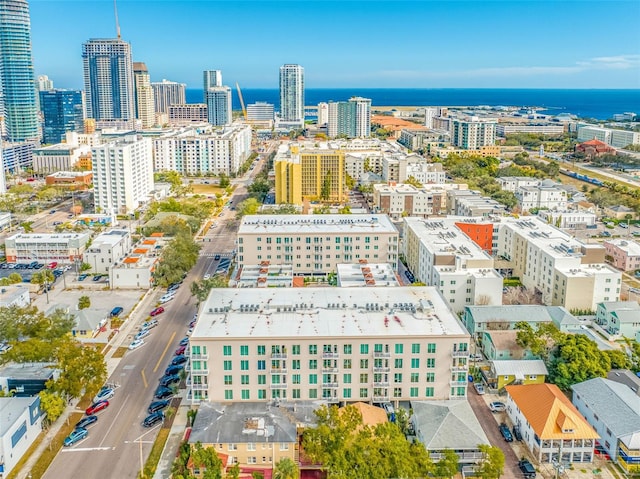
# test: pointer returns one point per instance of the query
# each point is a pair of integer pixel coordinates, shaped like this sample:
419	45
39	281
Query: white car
149	324
207	276
479	388
143	333
136	344
166	298
104	394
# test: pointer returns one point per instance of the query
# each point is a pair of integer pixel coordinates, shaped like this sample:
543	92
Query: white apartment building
399	167
260	111
134	272
122	174
190	152
441	255
316	244
188	114
512	183
568	218
563	270
59	157
416	139
84	139
45	248
472	203
541	196
106	249
292	94
407	200
429	114
219	105
472	134
503	129
337	344
610	136
167	93
323	113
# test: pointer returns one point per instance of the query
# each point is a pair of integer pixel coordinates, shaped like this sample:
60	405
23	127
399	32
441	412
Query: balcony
380	398
381	384
330	385
279	355
279	386
199	387
381	369
457	384
381	354
460	368
279	371
460	354
331	370
196	357
330	355
201	372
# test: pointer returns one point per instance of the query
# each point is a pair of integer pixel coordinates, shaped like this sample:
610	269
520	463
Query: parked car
82	277
173	369
87	421
158	405
184	341
216	257
506	433
149	324
497	406
527	469
179	360
143	333
166	298
51	265
116	311
516	433
96	407
104	394
388	407
135	344
97	277
479	388
157	311
153	418
75	436
163	393
180	351
169	380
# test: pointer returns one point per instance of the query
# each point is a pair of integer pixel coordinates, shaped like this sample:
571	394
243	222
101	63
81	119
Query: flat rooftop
309	224
11	409
326	312
27	370
630	247
11	292
358	275
110	237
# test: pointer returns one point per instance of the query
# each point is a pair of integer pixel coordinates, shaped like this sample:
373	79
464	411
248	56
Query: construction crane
244	110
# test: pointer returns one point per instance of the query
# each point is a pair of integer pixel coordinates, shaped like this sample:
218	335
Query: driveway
489	422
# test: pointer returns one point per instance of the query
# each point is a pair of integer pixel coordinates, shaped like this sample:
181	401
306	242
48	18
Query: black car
87	421
173	369
163	393
516	433
156	406
506	433
169	380
179	360
153	418
527	469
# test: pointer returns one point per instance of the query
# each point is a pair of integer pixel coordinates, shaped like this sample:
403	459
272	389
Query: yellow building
310	172
516	371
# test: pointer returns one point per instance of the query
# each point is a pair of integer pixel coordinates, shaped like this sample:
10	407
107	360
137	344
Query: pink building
623	254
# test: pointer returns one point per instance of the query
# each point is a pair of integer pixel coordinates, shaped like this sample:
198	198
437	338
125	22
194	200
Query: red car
52	265
157	311
99	406
180	350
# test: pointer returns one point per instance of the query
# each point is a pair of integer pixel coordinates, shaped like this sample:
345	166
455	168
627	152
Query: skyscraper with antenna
108	79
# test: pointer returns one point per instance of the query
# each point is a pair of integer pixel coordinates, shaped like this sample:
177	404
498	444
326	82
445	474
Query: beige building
407	200
316	244
45	248
59	157
337	344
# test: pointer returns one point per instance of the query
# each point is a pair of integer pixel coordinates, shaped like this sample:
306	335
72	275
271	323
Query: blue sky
420	43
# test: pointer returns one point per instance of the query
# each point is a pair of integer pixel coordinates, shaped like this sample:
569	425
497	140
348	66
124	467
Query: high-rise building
145	108
44	83
351	118
187	114
292	93
17	84
323	113
108	80
429	114
218	101
167	93
472	134
260	111
211	79
63	111
122	174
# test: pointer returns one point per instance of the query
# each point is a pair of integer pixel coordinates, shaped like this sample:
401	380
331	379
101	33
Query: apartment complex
504	129
145	107
59	157
415	139
512	183
122	174
619	318
167	93
316	244
188	114
292	94
473	133
106	249
441	255
260	111
349	118
546	196
63	111
45	248
472	203
568	218
399	168
306	171
610	136
407	200
219	110
337	344
623	254
191	151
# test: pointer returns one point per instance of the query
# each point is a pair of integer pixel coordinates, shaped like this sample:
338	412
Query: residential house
623	254
552	428
626	377
619	318
14	295
619	212
502	345
448	424
613	410
515	371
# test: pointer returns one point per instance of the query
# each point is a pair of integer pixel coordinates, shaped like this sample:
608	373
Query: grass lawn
155	454
211	190
118	353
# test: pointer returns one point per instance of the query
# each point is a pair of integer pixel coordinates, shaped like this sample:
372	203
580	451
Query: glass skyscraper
108	79
16	72
63	111
292	93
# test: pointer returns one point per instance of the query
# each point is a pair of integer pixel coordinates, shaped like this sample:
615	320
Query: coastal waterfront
598	104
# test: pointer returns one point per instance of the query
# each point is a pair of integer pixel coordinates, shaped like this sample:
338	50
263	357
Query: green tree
345	210
42	277
201	289
540	341
492	463
325	190
207	459
447	466
27	226
224	181
577	359
85	267
84	302
349	181
82	370
322	210
413	182
52	404
286	469
178	257
250	206
233	472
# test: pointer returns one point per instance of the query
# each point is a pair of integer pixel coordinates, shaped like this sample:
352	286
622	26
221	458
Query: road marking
124	403
166	348
84	449
144	379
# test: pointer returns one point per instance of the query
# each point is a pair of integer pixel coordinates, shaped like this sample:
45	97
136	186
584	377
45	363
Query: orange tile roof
141	250
131	260
157	234
371	415
149	241
298	282
549	411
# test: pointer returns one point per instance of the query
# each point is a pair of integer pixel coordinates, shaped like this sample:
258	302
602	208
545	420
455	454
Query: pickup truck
506	432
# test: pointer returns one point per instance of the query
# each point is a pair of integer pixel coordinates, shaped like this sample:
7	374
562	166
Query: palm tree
286	469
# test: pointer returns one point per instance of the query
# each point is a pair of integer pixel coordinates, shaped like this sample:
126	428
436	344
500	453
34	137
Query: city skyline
428	44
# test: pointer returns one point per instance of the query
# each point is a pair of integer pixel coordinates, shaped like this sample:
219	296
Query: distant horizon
495	44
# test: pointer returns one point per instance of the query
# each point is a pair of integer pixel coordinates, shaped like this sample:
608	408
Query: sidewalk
172	445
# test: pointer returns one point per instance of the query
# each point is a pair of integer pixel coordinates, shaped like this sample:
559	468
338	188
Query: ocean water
598	104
